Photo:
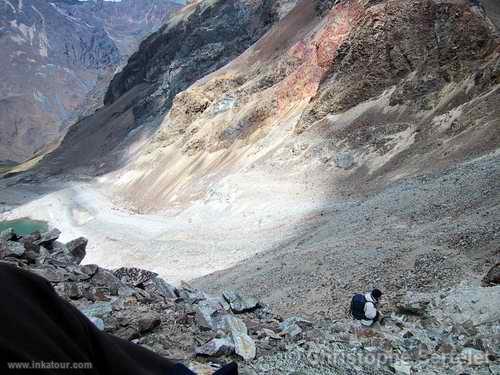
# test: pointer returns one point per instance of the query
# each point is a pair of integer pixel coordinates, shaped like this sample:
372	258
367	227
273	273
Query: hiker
364	307
44	334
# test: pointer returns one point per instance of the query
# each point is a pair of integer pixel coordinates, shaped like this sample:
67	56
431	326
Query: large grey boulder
234	325
107	279
76	249
90	269
11	249
210	315
48	238
159	287
244	346
216	347
148	322
57	274
52	274
190	294
239	303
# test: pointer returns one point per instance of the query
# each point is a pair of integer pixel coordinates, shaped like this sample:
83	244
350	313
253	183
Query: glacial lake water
24	226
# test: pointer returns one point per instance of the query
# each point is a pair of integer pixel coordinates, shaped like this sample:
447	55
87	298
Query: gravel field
298	252
421	233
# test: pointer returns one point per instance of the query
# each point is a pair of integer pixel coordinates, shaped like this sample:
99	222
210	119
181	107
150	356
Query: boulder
107	279
190	294
47	239
72	290
238	303
76	249
210	315
216	347
158	286
11	249
292	330
244	346
89	269
233	325
148	322
220	301
133	276
493	276
293	326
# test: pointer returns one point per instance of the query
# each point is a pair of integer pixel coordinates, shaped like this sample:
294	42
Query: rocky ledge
450	332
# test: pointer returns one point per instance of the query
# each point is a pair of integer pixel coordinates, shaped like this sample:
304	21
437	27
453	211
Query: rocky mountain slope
234	101
349	91
304	150
428	332
250	106
198	40
58	51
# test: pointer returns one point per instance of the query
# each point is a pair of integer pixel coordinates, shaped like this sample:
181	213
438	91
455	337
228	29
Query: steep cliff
56	53
350	92
197	41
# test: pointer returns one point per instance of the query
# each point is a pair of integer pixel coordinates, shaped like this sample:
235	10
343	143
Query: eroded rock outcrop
350	91
56	53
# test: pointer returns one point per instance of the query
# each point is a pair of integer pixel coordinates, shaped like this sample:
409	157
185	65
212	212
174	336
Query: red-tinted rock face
349	90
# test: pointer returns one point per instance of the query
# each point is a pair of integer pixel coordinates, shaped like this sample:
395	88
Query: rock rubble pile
182	323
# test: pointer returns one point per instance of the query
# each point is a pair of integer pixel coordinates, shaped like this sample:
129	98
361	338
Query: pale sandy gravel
213	234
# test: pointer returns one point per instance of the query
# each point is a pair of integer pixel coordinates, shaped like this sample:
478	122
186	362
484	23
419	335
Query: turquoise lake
24	226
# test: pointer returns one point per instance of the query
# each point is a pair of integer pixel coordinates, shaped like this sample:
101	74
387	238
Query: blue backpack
358	307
